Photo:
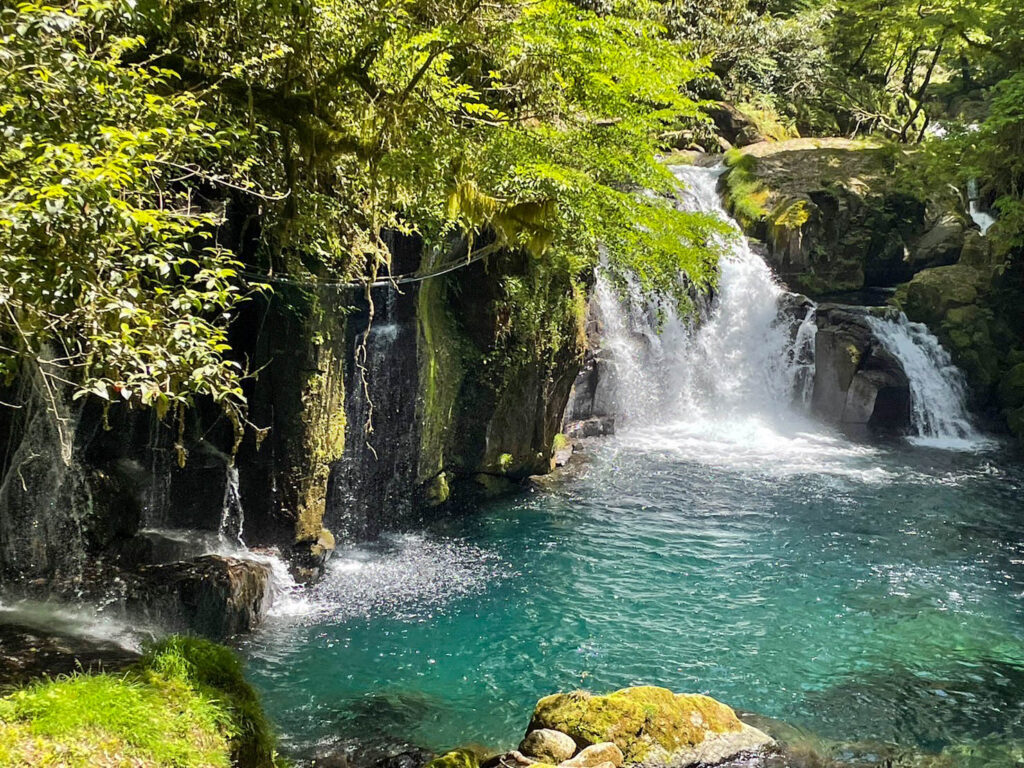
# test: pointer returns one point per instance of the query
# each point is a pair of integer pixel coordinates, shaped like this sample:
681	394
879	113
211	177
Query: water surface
863	592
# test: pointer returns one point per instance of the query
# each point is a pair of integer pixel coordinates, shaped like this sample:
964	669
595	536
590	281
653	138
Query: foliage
184	705
510	125
111	279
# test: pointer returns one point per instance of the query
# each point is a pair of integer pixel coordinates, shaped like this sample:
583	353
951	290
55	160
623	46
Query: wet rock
857	382
652	726
213	595
29	651
548	745
597	755
309	557
601	426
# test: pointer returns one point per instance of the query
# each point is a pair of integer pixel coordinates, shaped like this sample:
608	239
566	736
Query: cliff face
351	430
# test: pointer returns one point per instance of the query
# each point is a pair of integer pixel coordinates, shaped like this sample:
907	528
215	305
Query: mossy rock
652	726
457	758
1011	387
933	292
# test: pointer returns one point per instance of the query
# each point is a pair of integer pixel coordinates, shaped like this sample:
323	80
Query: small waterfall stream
937	389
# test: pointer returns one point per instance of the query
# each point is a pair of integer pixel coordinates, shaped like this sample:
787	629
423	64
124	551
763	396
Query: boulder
835	217
596	756
857	382
213	595
732	125
548	745
652	726
310	556
457	758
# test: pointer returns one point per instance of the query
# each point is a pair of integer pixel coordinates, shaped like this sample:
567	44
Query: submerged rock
652	726
213	595
548	745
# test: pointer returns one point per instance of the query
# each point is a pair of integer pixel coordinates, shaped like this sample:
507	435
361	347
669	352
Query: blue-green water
862	592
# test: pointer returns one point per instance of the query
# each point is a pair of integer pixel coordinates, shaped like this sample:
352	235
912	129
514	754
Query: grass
185	705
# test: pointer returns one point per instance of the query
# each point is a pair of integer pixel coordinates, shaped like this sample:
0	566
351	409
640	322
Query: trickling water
232	517
937	390
983	219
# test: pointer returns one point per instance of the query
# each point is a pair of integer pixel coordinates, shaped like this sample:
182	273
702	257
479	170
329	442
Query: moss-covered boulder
457	758
837	215
652	726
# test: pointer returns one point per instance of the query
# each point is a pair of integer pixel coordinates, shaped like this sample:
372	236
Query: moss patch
638	720
458	758
185	705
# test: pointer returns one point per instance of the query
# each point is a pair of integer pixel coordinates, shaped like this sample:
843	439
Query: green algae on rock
457	758
652	726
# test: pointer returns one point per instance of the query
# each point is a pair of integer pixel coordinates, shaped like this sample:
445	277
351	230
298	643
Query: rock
548	745
652	726
458	758
1011	387
834	216
732	125
309	557
941	244
213	595
596	756
33	650
599	426
857	383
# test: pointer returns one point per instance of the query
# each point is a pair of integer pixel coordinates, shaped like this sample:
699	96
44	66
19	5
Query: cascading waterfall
747	357
743	376
937	389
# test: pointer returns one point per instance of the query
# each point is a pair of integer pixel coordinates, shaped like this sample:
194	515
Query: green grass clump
747	194
186	704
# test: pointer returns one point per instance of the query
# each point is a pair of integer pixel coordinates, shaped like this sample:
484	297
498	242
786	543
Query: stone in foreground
597	755
548	746
652	726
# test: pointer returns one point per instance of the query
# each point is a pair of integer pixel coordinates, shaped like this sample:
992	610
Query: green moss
1011	388
184	705
458	758
216	672
441	372
746	194
638	720
560	442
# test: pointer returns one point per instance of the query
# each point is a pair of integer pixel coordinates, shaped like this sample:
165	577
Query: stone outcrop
652	726
732	125
548	746
213	595
858	384
836	219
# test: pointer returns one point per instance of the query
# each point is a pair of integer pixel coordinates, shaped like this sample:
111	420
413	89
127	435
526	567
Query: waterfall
983	219
937	390
232	516
748	357
739	381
